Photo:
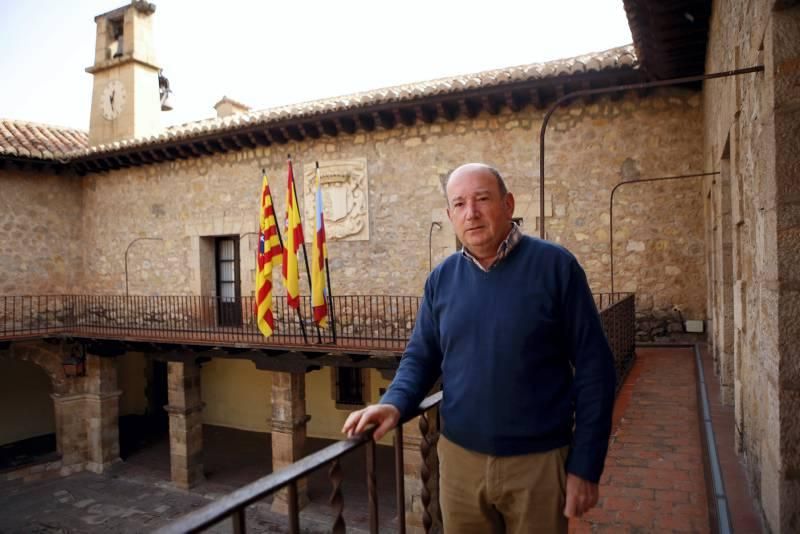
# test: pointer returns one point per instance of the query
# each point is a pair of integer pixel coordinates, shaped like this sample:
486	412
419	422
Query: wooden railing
618	321
234	505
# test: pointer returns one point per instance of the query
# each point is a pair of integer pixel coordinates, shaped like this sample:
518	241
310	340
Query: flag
294	238
319	253
269	254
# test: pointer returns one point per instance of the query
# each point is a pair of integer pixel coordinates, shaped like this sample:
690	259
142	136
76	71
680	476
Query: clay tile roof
623	57
49	142
40	141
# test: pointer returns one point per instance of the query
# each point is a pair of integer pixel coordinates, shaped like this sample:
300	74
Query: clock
113	99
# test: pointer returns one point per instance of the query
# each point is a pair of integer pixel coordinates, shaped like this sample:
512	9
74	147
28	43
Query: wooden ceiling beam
407	116
346	124
491	104
427	113
311	130
386	118
295	133
367	121
329	127
278	135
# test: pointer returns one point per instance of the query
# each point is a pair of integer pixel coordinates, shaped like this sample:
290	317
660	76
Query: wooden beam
79	167
387	118
329	127
367	121
278	135
311	130
104	164
491	104
92	165
469	107
408	116
536	98
207	146
233	142
428	113
202	146
191	150
295	132
346	124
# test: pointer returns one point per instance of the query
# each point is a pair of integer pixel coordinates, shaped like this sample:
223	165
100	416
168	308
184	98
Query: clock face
113	99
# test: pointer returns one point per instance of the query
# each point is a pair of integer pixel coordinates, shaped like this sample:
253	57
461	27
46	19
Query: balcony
360	323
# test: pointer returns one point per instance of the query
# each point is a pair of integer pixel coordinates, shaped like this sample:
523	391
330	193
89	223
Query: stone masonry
591	146
288	431
86	408
752	135
185	411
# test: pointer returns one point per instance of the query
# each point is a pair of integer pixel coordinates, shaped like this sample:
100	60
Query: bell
166	105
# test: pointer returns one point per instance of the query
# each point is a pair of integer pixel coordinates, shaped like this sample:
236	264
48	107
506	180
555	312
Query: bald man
510	325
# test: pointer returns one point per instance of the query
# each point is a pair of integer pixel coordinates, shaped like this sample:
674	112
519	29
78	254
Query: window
350	386
228	284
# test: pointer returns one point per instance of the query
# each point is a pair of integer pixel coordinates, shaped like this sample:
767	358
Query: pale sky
269	53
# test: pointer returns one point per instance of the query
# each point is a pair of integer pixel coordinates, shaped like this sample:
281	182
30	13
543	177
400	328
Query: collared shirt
508	244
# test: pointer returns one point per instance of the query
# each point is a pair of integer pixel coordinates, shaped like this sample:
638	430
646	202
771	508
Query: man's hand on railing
385	416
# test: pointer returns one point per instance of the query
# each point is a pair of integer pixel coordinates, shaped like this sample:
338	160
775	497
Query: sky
267	53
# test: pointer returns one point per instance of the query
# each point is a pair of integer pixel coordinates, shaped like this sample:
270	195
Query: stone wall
40	221
590	147
752	135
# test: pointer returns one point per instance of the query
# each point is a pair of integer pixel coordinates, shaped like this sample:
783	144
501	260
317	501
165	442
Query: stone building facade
752	136
591	147
722	249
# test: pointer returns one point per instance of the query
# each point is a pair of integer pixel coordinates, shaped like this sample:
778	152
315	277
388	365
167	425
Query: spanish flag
294	238
269	254
319	253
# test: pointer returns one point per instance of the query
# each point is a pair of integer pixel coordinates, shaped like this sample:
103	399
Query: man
527	374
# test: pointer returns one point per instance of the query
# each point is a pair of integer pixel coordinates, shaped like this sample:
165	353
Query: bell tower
125	96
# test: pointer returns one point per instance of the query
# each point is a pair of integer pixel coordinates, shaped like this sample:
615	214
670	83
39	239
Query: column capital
279	425
179	410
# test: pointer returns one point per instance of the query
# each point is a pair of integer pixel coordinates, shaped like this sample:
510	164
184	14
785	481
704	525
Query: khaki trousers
481	494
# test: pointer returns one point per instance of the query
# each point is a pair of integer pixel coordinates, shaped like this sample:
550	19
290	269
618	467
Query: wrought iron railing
358	321
618	321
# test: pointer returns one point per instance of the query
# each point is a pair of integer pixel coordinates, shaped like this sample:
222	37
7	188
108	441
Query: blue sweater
505	343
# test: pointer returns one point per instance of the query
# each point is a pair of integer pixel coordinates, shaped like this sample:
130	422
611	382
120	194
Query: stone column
69	411
101	413
288	431
185	411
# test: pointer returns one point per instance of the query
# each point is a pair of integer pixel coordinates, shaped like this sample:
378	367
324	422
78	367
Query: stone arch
46	356
30	419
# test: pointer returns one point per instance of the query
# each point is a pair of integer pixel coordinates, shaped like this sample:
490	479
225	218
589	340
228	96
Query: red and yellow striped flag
269	254
319	253
294	238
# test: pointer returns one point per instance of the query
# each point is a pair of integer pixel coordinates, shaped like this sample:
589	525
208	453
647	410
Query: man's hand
386	416
581	496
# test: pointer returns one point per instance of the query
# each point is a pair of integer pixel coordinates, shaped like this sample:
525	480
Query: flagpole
330	300
305	256
280	240
330	290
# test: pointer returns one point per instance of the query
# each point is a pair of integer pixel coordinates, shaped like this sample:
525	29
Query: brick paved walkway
653	480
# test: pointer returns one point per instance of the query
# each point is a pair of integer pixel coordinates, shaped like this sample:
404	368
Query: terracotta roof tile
49	142
40	141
